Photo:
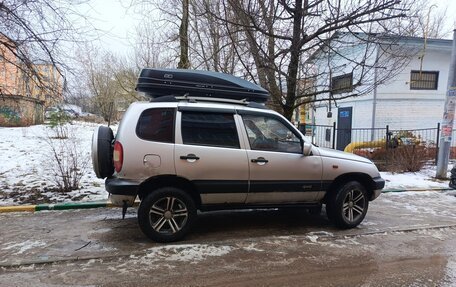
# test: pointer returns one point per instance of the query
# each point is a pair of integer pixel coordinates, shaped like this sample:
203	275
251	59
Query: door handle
189	157
259	160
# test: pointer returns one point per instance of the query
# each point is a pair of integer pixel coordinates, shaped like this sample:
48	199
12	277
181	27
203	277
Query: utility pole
448	117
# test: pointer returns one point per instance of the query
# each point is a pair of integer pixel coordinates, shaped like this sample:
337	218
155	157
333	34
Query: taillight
117	156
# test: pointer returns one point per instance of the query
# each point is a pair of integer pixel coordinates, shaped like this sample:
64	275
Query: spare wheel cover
102	152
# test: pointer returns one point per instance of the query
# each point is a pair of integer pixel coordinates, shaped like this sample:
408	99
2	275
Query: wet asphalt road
407	239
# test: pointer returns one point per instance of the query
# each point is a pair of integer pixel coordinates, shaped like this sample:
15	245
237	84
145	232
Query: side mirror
306	148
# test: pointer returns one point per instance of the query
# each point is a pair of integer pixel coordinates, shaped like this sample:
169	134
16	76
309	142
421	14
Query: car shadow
216	226
238	224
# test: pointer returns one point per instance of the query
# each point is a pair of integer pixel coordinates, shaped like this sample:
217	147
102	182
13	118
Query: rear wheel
348	206
166	214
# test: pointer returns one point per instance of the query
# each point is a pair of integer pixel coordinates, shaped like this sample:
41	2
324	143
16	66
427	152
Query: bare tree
275	42
184	62
110	81
183	33
210	44
34	33
281	35
424	20
169	30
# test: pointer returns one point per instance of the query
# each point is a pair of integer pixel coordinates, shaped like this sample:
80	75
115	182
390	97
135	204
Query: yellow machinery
394	142
356	145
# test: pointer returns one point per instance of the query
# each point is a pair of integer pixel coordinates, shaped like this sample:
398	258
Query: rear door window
156	125
209	129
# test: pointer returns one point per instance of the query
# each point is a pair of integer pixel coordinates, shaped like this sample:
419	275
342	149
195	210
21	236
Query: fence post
387	144
334	136
448	116
387	136
437	144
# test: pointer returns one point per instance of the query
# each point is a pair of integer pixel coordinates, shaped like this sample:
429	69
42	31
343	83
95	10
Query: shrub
68	162
404	158
57	122
407	158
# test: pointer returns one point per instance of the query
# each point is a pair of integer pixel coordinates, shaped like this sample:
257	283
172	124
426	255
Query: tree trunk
184	62
292	75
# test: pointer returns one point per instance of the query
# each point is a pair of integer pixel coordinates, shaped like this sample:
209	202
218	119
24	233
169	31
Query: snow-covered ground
27	163
424	179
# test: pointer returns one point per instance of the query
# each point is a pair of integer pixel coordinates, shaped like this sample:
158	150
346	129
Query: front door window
269	134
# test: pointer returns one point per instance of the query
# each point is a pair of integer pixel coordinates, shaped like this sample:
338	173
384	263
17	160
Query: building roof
417	40
387	39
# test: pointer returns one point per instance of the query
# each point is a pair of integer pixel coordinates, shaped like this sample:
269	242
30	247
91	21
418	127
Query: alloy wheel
168	215
354	205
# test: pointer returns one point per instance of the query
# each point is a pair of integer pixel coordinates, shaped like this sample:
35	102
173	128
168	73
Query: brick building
25	95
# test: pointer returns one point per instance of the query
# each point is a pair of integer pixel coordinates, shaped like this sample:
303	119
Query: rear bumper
119	186
379	184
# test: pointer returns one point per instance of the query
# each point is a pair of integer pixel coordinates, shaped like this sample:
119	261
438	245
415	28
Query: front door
344	127
279	172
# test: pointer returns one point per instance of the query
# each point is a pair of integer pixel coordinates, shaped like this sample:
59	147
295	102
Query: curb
416	190
108	204
57	206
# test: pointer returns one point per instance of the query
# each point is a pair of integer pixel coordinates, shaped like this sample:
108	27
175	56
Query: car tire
166	214
102	152
347	206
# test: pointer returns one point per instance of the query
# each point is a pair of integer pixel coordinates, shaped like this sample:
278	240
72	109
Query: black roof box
163	82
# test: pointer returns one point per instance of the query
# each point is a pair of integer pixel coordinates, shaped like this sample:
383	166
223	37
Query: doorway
344	127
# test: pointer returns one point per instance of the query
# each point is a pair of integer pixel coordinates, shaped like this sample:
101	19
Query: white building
411	73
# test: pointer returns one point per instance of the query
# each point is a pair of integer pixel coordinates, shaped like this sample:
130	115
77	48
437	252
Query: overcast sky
116	21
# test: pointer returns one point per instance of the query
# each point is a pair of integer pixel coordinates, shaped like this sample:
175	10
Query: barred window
342	84
424	80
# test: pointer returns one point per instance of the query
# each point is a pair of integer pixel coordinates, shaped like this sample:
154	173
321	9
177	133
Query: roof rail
191	99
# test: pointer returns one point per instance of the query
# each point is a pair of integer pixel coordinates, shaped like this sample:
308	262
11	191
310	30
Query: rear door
208	153
279	172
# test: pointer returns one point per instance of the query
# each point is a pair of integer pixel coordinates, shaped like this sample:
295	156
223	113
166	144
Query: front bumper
379	184
118	186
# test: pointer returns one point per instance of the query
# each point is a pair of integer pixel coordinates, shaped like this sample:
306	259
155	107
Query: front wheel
166	214
348	206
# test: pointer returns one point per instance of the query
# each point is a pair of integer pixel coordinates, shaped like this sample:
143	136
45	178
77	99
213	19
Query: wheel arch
362	178
169	181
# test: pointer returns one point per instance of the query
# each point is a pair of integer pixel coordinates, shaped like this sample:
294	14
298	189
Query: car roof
142	105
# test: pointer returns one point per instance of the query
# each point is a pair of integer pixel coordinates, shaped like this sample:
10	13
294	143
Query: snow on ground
424	179
27	177
27	164
22	247
166	255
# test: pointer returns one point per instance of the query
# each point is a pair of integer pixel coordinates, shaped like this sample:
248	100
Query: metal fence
372	142
327	136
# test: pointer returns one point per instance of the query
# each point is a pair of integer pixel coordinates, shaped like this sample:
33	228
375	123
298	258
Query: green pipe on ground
68	206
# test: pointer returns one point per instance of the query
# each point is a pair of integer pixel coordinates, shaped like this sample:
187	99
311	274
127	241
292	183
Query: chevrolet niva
205	141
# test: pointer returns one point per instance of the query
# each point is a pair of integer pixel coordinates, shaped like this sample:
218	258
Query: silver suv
180	154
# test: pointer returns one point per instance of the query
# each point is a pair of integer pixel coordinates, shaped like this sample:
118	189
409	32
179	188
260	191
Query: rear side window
156	125
209	129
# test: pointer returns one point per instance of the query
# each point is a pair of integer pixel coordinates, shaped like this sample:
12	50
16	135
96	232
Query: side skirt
212	207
